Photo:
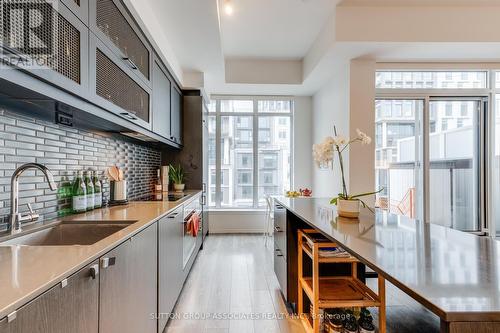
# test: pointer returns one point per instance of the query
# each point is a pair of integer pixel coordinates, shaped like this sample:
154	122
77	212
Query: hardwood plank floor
232	289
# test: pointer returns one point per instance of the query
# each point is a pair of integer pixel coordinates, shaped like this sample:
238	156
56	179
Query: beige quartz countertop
28	271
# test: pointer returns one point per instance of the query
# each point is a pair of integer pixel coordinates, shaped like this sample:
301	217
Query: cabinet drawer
280	269
69	307
110	21
280	228
116	89
60	55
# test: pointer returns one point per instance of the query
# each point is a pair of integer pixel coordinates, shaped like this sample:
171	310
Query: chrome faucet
17	218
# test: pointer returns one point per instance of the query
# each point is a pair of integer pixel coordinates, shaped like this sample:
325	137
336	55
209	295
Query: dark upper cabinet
116	88
128	285
161	100
80	8
176	106
71	307
110	21
61	58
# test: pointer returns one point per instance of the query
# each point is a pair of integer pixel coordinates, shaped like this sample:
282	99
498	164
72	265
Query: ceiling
273	29
301	32
426	3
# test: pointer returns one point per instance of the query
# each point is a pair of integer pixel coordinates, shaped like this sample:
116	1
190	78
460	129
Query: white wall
347	102
362	116
302	153
229	222
330	107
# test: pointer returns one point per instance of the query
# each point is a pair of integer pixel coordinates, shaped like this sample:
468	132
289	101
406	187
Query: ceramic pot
348	208
179	187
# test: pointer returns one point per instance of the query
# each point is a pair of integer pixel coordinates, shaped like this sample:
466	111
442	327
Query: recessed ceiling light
228	7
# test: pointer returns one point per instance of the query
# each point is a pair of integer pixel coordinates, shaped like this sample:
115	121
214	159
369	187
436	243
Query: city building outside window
250	150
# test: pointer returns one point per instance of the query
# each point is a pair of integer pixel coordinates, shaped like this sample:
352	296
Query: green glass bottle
64	193
90	191
79	194
97	190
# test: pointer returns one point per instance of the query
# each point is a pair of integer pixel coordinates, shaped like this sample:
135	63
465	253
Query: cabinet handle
106	262
172	216
278	229
278	253
94	271
128	115
130	62
12	316
204	187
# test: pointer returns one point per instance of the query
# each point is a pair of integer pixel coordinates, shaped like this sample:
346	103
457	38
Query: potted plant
348	204
177	175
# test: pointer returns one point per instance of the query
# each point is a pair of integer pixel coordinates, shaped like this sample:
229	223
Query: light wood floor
233	275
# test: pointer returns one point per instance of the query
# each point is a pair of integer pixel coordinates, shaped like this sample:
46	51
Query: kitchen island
454	274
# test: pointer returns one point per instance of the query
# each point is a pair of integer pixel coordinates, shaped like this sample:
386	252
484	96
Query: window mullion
218	155
255	155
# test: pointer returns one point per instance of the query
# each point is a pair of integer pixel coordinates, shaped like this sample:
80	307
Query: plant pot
348	208
179	187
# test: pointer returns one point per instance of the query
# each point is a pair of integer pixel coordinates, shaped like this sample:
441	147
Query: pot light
228	7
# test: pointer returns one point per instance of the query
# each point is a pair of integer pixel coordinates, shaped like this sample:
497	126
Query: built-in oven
192	226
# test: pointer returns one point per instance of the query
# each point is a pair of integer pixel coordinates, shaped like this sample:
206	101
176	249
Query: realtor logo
28	31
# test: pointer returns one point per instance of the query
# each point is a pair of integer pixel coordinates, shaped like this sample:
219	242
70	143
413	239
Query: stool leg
382	309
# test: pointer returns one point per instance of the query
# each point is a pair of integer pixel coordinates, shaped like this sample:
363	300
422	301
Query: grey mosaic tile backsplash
64	151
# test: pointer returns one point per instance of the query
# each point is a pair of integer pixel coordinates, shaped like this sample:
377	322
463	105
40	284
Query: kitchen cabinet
116	88
170	274
128	285
61	61
280	247
70	306
176	106
80	8
111	22
161	100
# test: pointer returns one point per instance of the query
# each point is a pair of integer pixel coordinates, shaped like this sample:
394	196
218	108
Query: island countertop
454	274
28	271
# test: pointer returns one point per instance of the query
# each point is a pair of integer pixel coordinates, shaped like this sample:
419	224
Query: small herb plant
176	174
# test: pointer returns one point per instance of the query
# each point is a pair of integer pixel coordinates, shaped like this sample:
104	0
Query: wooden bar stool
327	292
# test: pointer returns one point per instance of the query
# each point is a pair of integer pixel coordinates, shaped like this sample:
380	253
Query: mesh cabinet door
58	53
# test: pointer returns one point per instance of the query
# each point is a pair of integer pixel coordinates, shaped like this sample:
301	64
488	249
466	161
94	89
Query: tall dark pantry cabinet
194	155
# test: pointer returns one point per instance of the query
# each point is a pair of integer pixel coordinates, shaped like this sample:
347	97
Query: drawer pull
130	62
106	262
277	229
94	271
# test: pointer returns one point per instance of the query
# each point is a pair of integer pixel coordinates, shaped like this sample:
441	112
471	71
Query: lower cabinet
128	282
70	306
170	274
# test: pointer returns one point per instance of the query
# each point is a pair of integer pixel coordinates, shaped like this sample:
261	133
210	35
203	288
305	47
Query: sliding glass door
441	184
398	154
455	162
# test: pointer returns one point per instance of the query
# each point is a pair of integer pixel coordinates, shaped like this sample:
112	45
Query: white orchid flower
365	139
340	140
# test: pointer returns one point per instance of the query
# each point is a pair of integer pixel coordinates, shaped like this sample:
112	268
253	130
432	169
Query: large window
430	147
250	150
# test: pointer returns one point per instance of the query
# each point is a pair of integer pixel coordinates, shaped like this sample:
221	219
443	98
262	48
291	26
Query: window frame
256	115
487	225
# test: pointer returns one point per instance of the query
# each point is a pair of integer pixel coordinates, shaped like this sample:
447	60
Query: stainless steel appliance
189	239
162	196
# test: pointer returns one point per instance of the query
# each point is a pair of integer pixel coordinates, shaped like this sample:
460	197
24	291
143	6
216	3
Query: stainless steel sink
69	233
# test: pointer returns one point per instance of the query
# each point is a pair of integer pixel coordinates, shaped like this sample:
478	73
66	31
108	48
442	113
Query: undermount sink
69	233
